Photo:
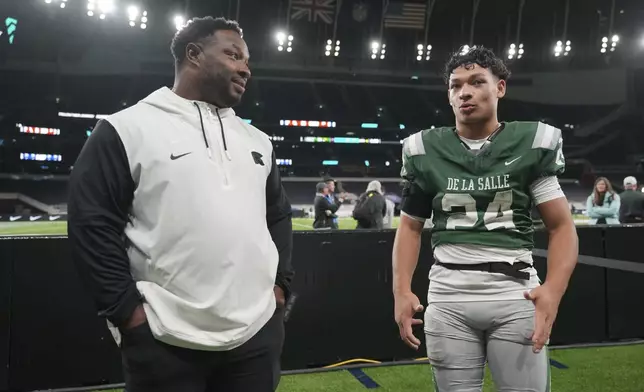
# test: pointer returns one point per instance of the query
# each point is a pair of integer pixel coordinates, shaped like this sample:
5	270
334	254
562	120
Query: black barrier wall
344	308
6	255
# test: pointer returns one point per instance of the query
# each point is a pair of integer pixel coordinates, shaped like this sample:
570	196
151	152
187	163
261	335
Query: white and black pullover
179	205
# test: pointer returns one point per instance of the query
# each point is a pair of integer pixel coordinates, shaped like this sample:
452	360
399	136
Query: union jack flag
313	10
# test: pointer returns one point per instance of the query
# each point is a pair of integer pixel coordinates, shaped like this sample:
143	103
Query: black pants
150	365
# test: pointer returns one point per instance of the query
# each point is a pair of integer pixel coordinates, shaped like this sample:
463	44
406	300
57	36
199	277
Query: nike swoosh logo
34	218
174	157
512	161
53	218
14	218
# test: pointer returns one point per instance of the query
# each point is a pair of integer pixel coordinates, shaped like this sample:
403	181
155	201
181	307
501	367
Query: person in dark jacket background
631	209
371	208
324	209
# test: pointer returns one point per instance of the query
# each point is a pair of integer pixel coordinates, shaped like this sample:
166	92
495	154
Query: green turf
60	228
605	369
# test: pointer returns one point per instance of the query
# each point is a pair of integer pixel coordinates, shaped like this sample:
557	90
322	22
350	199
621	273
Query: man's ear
192	53
500	86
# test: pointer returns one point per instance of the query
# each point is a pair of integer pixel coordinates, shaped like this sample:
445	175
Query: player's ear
192	53
500	86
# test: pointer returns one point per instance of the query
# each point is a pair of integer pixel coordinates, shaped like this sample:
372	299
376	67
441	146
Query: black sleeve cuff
416	202
121	314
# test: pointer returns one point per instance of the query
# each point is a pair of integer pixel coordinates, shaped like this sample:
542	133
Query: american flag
313	10
405	16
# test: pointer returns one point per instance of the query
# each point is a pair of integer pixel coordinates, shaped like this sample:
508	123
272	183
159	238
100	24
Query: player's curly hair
195	30
480	55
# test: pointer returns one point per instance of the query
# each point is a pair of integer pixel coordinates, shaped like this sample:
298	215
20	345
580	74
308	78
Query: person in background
371	208
631	209
602	205
333	199
324	209
388	221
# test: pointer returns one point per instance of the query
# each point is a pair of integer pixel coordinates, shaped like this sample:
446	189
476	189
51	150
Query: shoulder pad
413	145
546	136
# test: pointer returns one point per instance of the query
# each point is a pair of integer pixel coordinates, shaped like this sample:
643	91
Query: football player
480	180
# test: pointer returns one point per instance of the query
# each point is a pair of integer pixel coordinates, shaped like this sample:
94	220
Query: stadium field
60	228
598	369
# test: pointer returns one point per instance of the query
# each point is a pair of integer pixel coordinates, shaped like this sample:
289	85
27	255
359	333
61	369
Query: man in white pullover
194	291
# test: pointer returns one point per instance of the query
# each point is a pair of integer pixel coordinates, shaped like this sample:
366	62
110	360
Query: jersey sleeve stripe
546	137
416	146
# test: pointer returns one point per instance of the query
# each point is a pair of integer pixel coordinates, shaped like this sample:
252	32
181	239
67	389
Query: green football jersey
483	197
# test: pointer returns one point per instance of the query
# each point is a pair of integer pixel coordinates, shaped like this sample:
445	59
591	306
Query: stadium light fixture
423	52
48	1
328	49
284	42
105	7
561	50
179	22
133	14
515	52
378	50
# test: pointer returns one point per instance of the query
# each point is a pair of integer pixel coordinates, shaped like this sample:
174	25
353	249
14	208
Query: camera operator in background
324	209
631	209
371	208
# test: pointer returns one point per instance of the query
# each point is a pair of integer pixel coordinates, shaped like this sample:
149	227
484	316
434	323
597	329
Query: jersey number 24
497	215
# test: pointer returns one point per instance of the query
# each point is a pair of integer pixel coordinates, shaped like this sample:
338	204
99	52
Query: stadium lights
561	50
369	125
133	15
329	48
284	42
308	123
103	7
376	49
465	49
614	40
422	53
38	130
179	22
339	140
82	115
30	156
284	162
330	162
63	3
513	52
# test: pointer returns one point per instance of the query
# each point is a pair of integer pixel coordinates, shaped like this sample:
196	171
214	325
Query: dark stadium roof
47	32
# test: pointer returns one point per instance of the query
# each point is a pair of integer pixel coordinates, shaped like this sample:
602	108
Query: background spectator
603	204
371	207
324	210
631	208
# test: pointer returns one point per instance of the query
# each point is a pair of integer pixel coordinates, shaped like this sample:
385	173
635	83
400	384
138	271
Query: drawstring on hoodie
223	135
203	130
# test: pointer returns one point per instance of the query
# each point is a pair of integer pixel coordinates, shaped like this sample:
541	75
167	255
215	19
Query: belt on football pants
513	270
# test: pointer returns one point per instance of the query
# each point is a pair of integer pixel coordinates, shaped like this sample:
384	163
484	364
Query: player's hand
406	305
546	303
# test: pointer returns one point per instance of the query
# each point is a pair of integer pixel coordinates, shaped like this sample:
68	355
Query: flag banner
313	10
405	16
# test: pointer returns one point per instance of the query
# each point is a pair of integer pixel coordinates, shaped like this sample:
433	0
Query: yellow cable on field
357	360
361	360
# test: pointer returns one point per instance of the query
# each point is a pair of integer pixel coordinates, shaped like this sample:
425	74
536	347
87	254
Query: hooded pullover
178	205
